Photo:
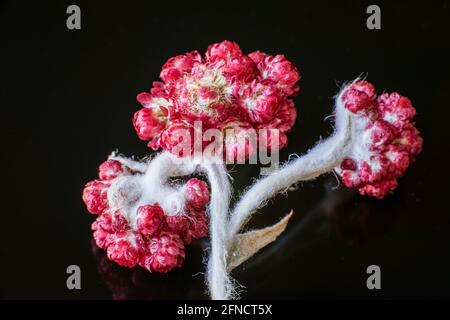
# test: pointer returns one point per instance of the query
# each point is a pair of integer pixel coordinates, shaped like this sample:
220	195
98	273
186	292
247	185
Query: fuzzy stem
219	282
137	166
166	165
321	159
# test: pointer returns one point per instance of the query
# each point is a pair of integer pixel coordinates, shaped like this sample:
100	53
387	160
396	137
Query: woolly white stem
130	163
166	165
154	182
219	283
129	192
321	159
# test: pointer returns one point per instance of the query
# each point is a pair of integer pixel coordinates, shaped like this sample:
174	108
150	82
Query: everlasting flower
110	169
166	252
240	140
119	222
150	219
178	223
123	252
223	87
148	123
224	50
178	138
278	70
145	235
388	142
260	101
101	236
197	193
95	196
146	216
198	226
284	118
178	66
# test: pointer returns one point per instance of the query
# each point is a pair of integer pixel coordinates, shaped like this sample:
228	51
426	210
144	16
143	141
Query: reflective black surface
67	98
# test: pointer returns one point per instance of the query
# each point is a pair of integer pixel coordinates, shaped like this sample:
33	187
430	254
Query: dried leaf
247	244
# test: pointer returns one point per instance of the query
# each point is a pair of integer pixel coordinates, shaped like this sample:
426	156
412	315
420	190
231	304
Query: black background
67	98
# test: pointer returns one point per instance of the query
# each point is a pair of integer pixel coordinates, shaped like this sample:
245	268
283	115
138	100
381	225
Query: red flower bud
95	196
150	219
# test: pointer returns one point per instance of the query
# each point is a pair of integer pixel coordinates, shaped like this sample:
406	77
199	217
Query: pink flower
225	87
240	68
278	70
146	235
284	118
191	226
379	189
260	101
396	109
166	251
204	95
158	108
95	196
119	222
148	123
104	222
258	57
157	99
150	219
110	169
123	252
101	236
178	138
177	66
409	139
224	50
178	223
387	144
197	193
240	140
360	96
381	134
198	226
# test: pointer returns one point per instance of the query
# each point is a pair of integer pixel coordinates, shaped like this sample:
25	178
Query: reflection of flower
385	143
253	89
148	236
137	283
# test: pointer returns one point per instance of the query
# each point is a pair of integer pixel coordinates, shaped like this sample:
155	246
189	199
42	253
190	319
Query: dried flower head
386	143
225	86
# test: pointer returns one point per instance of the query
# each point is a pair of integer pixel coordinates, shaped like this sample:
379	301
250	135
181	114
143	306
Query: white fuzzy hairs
319	160
152	185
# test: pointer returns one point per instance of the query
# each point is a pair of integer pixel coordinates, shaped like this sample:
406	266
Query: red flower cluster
147	237
388	141
224	90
